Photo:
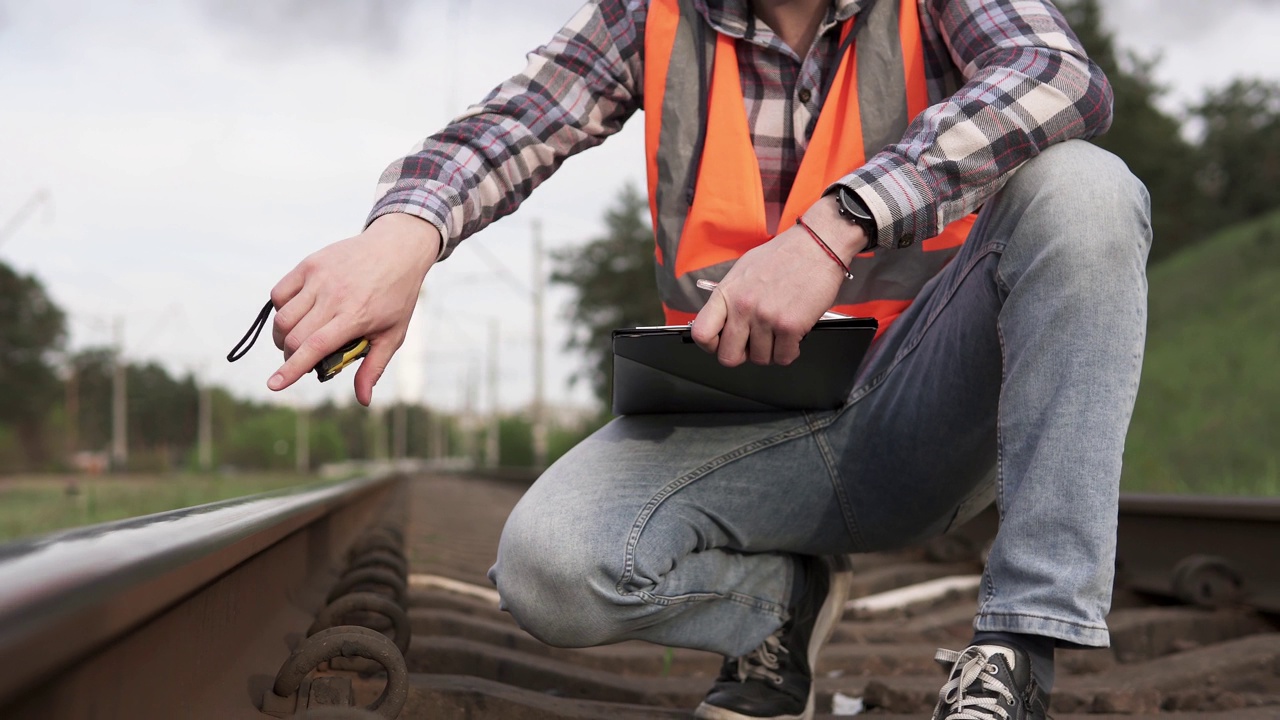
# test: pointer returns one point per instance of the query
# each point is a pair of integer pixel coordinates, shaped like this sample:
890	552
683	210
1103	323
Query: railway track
212	613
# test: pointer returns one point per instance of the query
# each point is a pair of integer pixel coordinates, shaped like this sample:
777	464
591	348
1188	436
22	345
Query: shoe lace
764	662
971	692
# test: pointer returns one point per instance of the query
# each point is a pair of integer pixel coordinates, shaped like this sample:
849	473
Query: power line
38	198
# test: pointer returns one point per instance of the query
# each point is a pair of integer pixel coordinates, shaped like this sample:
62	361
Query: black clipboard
661	370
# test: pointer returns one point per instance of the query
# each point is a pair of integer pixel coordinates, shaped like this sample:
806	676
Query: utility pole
468	414
204	427
302	443
539	419
491	449
441	435
119	403
433	450
378	417
73	409
400	430
536	295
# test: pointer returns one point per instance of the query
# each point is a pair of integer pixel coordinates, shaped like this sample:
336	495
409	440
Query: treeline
1211	164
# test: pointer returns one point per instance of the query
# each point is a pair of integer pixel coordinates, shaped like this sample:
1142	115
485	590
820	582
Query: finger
709	322
733	341
373	365
785	350
313	348
786	345
288	317
316	318
291	284
760	344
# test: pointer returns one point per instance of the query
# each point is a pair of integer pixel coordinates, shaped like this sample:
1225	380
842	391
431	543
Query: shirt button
906	240
805	95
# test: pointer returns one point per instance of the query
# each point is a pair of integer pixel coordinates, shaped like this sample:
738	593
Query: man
810	154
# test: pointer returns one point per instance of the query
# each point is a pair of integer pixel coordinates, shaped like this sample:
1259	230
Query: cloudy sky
194	151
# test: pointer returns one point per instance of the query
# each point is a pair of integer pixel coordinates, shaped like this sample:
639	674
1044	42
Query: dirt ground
455	523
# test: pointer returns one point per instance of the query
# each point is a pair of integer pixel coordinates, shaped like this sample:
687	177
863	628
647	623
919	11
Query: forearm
575	91
1029	85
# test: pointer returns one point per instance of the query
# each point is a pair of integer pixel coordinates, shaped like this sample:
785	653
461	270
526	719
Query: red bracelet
847	274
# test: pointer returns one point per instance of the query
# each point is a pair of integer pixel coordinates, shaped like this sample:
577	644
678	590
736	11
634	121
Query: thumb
372	367
710	321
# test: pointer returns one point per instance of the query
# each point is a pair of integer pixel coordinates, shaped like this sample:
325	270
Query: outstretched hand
773	294
365	286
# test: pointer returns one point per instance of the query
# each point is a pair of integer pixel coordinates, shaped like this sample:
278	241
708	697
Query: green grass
1207	419
31	505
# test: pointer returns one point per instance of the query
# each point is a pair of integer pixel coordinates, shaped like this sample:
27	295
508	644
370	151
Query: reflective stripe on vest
878	88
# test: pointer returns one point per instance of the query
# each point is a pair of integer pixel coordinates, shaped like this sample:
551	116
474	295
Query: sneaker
989	682
775	681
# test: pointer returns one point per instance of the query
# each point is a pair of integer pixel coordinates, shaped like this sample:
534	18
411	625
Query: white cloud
1200	45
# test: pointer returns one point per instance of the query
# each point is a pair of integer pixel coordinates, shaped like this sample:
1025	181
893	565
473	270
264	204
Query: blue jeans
1012	376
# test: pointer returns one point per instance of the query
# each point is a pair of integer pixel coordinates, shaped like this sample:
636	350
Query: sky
189	153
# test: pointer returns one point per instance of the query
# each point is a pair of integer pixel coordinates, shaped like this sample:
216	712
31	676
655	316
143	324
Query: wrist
419	237
844	237
855	210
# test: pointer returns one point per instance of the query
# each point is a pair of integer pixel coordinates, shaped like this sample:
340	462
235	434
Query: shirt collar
732	17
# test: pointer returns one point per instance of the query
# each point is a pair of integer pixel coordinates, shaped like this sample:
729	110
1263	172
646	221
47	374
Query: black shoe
775	681
989	681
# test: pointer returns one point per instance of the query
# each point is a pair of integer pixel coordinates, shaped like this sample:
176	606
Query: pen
828	315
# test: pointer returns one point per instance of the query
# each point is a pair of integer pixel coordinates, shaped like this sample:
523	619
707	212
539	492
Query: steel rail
201	576
1200	549
1207	550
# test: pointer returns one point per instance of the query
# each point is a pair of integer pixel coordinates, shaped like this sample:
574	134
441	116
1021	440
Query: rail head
1201	507
66	593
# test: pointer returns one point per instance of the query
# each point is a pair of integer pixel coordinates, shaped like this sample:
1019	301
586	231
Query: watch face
852	204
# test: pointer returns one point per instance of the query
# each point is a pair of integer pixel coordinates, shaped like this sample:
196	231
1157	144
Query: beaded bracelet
847	274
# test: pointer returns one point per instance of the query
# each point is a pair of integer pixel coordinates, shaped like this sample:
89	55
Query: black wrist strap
251	337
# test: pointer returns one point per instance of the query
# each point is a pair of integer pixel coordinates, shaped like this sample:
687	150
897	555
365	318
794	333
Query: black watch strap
853	209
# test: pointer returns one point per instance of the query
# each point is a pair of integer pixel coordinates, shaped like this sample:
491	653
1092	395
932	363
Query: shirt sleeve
575	91
1028	85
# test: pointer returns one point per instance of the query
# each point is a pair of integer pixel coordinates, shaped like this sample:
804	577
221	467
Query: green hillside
1208	413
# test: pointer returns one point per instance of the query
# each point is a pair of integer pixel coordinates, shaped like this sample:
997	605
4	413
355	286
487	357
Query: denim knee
553	578
1079	205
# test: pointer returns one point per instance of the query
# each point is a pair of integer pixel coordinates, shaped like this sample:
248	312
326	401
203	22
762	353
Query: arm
576	90
1028	85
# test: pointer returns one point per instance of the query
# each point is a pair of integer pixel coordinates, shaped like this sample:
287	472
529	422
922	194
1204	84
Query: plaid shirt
1007	78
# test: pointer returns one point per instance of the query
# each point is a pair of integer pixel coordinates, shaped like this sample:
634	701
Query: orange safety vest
706	217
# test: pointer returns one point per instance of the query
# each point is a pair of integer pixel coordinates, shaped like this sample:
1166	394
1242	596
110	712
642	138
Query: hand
365	286
775	293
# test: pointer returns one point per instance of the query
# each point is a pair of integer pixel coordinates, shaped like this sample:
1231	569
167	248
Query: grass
1207	419
31	505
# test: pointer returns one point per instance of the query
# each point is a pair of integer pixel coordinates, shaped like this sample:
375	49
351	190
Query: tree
613	279
93	397
1148	139
351	422
1241	146
515	441
162	409
32	329
267	439
162	414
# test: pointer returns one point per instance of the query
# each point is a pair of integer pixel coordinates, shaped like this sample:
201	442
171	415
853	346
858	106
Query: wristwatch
855	211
